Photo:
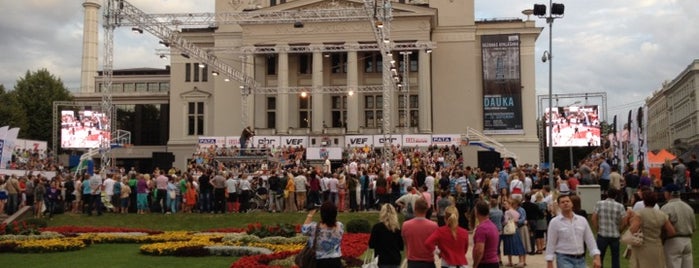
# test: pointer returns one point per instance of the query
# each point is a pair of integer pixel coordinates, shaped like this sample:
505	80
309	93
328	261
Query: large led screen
574	126
86	129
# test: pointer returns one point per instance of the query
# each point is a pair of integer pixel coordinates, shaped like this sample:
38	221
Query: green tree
11	113
35	93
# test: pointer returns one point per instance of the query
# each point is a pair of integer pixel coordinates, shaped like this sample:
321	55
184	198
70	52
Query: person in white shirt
232	189
406	182
109	190
527	184
327	167
566	234
429	182
353	167
332	188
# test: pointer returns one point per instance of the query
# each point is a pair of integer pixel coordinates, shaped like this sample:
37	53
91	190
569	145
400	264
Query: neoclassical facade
443	92
673	111
457	76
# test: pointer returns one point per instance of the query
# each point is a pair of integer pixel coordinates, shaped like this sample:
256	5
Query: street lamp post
555	13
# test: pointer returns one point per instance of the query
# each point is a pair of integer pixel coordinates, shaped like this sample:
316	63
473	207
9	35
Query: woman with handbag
651	222
512	243
325	236
386	239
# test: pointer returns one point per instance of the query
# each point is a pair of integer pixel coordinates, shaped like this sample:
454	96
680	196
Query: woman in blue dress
512	243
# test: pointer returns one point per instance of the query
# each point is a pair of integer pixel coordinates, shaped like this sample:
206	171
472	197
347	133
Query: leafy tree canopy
35	93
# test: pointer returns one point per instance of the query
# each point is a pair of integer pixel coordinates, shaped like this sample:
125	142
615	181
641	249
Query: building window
339	63
413	59
272	64
195	116
271	112
339	111
187	72
305	112
196	72
413	109
153	87
141	87
205	73
129	87
306	63
373	62
164	87
274	2
373	111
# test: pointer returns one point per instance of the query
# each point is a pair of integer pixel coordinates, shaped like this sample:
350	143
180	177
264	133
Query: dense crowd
33	160
511	211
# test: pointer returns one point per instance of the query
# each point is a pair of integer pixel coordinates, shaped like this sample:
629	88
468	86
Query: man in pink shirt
415	232
485	239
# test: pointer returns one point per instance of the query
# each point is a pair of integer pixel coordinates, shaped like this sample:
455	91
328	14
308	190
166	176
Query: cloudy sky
626	48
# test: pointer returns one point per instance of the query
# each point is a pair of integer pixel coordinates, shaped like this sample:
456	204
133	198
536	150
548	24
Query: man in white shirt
566	234
429	182
108	189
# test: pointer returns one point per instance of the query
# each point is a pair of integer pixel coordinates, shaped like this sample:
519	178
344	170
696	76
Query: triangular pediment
195	93
398	8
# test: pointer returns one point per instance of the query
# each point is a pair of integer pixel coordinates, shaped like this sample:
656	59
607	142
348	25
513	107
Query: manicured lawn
127	255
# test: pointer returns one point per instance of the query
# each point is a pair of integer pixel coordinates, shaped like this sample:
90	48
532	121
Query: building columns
317	95
282	111
425	92
352	100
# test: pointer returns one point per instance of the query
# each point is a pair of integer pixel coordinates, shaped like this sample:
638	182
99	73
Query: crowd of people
511	211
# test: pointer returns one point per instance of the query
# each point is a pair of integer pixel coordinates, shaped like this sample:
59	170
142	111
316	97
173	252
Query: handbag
632	239
307	257
370	262
510	228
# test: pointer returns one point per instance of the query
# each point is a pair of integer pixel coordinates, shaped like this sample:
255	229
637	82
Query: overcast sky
626	48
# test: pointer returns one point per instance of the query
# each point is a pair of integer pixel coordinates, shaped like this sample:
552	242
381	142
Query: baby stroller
259	200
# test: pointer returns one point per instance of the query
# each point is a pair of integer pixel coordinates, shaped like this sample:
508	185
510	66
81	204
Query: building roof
140	71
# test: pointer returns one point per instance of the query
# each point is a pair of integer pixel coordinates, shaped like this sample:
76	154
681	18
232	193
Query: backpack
409	210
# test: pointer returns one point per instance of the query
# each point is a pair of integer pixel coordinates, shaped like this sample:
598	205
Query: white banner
8	146
208	142
446	139
417	140
395	140
31	145
295	141
266	141
232	141
359	140
319	153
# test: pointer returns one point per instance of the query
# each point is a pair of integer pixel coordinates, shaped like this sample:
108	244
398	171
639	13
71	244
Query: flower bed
48	245
269	251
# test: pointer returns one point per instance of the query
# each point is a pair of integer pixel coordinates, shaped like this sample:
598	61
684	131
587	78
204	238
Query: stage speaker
163	160
489	160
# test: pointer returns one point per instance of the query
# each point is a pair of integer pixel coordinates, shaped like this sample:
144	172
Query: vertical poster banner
502	84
